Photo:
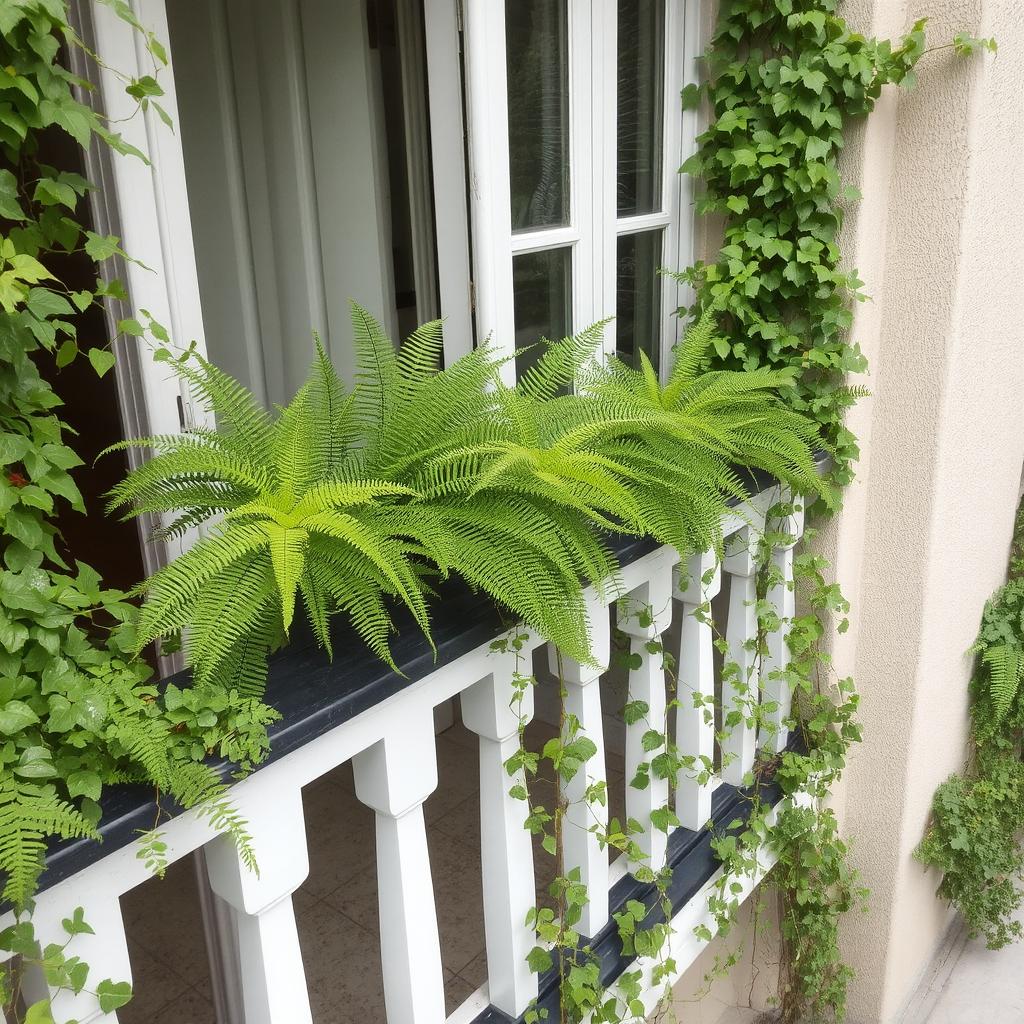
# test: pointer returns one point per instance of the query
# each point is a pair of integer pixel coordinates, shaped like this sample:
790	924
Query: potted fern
354	499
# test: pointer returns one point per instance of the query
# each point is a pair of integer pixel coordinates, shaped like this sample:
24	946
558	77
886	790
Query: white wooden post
740	687
96	891
695	725
394	777
273	977
583	820
783	599
491	710
643	616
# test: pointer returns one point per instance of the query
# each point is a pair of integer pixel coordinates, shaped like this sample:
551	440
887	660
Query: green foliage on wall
974	835
785	78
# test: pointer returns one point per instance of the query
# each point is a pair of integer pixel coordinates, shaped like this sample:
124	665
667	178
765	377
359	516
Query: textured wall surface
924	538
925	531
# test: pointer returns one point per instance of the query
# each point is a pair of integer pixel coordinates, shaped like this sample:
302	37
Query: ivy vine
784	79
974	835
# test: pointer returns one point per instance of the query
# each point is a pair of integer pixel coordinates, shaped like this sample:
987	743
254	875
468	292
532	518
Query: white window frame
594	225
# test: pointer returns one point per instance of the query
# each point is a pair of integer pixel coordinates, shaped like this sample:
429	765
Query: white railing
392	750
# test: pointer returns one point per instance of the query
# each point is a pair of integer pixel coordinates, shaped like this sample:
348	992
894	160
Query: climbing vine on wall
974	834
784	80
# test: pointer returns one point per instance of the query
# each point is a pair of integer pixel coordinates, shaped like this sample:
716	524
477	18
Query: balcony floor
336	909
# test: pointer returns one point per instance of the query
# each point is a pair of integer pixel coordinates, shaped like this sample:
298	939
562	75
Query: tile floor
336	909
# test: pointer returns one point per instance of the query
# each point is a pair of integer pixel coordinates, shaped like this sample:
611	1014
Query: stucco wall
924	537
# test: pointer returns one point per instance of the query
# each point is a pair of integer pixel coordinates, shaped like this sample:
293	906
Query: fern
352	499
29	815
1000	650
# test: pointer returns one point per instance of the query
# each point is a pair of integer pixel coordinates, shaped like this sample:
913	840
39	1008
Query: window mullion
605	128
682	38
582	170
490	192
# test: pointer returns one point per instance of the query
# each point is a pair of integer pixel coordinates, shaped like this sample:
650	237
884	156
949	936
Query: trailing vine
974	834
784	79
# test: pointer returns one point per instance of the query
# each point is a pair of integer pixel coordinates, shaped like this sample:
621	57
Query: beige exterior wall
924	535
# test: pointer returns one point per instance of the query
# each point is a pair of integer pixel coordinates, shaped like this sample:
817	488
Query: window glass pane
641	88
543	297
537	33
638	296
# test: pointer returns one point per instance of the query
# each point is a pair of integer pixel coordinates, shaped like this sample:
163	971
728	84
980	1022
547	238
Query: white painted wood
585	821
448	155
683	47
782	597
604	147
105	951
740	688
695	726
394	777
489	187
491	710
152	216
272	974
647	684
586	27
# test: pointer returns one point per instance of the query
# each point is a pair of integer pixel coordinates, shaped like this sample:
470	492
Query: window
575	139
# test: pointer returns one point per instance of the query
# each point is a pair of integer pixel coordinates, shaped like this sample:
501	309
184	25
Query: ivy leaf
10	206
113	995
42	302
85	783
691	96
66	354
36	763
100	247
39	1013
102	360
15	716
76	924
539	960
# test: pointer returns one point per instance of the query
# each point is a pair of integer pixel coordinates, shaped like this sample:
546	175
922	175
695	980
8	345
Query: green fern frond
29	815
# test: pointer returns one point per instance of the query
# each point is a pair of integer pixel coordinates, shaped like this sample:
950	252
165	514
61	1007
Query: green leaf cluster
785	77
974	834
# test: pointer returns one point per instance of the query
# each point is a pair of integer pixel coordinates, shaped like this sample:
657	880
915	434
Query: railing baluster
273	978
394	777
695	725
491	709
583	821
783	599
105	951
740	686
643	616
